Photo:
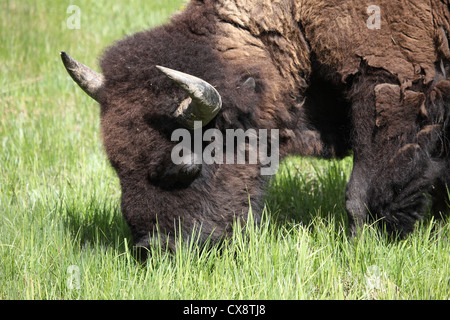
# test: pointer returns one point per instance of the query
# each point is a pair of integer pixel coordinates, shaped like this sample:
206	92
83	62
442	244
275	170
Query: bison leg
397	192
440	102
356	198
441	205
440	192
391	189
392	170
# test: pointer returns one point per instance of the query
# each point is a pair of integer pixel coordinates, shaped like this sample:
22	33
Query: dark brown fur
322	77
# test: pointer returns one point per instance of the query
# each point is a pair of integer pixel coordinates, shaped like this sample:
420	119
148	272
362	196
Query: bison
322	72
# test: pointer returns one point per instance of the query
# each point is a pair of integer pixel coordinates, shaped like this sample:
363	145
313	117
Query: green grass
60	199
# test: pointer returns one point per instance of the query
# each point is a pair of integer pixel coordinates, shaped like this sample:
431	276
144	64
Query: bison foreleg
395	157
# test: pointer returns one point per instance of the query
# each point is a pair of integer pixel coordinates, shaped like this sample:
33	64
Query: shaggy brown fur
328	82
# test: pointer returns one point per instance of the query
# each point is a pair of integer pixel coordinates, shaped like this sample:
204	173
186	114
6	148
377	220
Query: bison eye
163	124
177	176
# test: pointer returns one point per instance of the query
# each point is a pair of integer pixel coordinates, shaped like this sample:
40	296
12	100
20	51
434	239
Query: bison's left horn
88	80
204	101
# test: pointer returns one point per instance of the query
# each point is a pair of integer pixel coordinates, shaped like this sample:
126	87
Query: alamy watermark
73	279
241	147
374	21
74	20
373	278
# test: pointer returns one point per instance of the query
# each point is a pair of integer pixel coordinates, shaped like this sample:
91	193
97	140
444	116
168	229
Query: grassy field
61	231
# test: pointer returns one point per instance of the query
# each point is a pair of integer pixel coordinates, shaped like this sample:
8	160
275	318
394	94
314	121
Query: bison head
146	91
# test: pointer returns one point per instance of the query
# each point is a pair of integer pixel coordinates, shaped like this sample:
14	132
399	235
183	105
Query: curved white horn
90	81
204	101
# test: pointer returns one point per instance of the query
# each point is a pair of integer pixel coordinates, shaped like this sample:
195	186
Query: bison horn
204	101
88	80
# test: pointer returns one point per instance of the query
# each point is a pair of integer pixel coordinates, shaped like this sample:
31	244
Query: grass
59	198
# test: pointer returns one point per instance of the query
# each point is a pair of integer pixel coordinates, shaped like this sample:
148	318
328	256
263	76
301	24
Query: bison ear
90	81
203	104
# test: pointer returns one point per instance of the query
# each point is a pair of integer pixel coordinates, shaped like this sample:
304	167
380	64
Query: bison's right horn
204	101
88	80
